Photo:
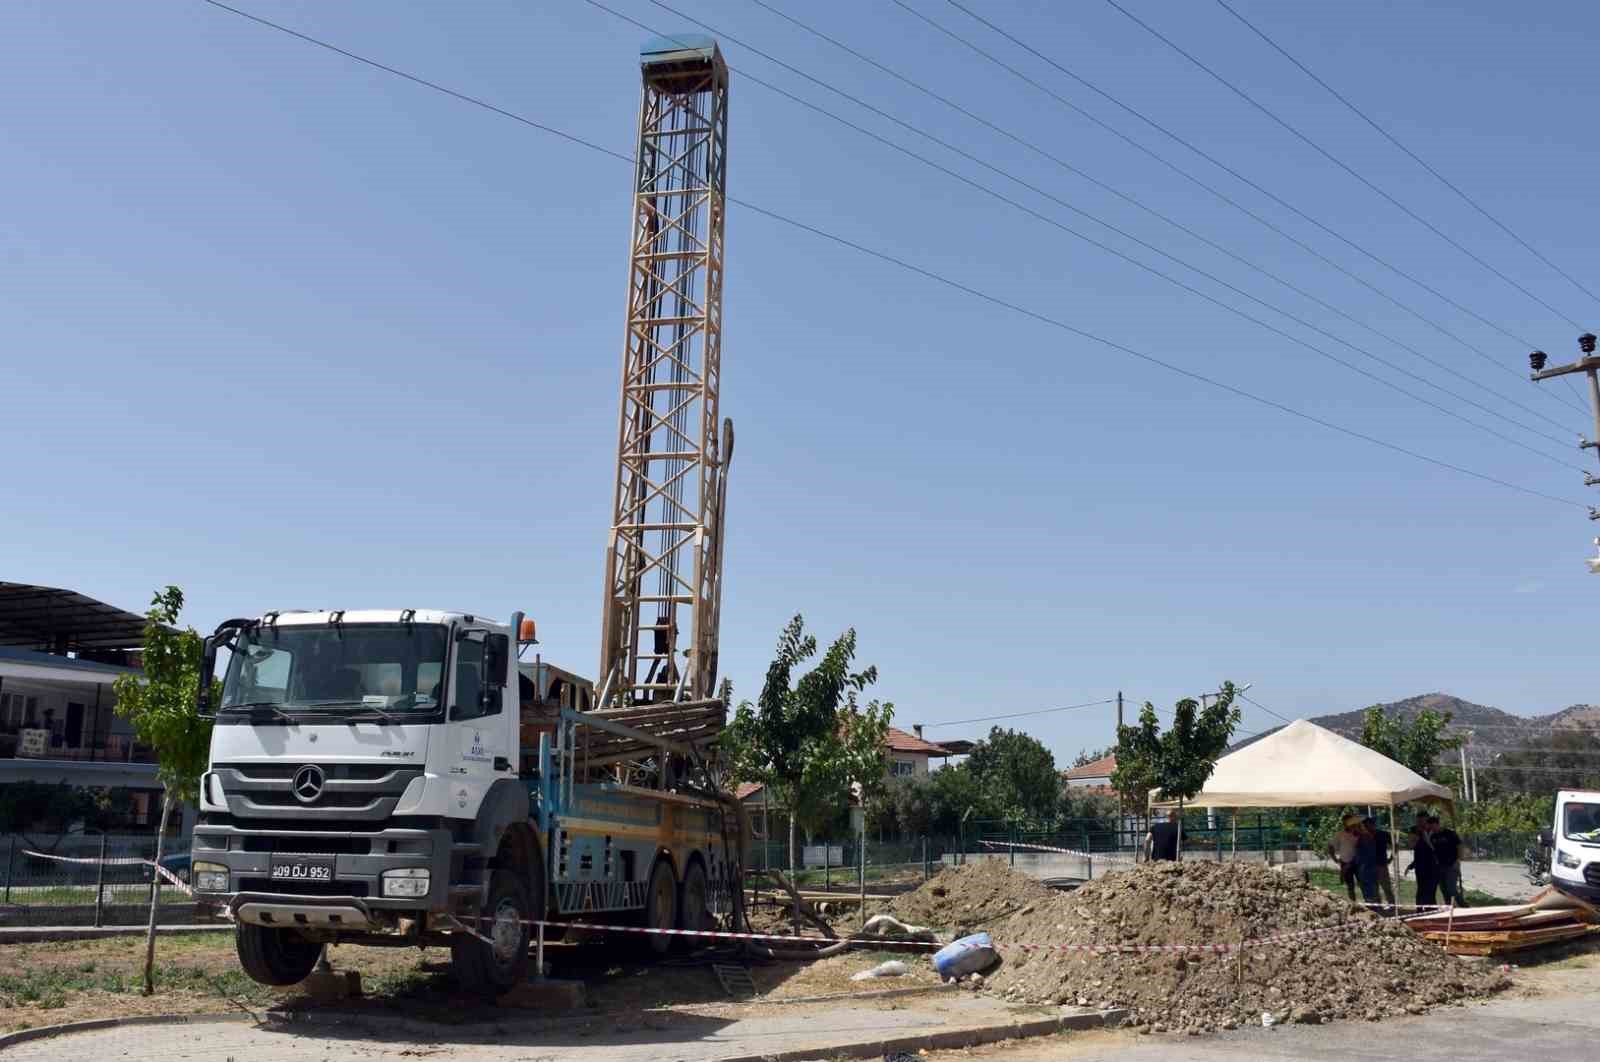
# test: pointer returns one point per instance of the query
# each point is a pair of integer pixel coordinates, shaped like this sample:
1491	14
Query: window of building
902	768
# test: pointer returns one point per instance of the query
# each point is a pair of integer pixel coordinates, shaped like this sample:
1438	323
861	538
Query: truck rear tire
492	970
661	907
694	910
272	956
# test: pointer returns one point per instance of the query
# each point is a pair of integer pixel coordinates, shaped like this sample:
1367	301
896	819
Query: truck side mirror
1546	838
208	667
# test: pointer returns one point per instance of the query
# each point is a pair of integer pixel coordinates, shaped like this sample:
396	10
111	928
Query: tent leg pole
1235	835
1394	854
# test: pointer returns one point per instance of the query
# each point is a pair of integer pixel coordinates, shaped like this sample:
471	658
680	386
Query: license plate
302	870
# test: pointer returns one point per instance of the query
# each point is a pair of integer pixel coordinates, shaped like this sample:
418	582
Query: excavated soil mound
1365	967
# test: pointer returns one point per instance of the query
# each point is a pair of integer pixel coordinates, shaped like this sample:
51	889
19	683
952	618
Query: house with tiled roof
1093	775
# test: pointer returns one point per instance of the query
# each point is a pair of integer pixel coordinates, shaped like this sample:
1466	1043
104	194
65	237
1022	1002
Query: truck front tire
496	964
273	956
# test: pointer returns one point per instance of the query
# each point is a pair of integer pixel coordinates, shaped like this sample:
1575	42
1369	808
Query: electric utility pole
1589	365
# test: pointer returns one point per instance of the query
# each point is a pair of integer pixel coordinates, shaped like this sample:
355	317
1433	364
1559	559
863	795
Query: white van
1575	859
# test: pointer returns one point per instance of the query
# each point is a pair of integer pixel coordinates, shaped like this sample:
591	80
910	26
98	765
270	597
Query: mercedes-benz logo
308	782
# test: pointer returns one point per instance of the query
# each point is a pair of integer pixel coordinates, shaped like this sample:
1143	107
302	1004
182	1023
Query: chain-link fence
103	890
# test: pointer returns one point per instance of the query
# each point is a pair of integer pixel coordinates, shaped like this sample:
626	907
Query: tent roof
1305	765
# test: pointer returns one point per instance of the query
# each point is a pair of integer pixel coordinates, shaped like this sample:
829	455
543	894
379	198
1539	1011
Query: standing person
1447	846
1366	868
1161	843
1385	843
1425	862
1343	848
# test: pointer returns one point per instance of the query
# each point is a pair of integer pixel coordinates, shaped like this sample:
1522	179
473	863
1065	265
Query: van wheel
661	907
498	962
274	956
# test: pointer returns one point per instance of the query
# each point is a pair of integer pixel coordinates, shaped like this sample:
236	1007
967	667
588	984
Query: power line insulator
1537	360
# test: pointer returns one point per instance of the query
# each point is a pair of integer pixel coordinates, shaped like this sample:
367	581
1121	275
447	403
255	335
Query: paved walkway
657	1036
1562	1028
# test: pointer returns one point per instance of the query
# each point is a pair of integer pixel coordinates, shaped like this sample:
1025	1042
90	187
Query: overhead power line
946	281
1056	223
1497	362
1391	138
1019	715
1264	708
1298	134
1139	204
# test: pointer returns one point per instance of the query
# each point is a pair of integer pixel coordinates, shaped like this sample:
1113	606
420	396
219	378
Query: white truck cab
1575	843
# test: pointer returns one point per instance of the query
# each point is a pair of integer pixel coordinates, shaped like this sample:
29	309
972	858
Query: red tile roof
899	741
747	789
1100	768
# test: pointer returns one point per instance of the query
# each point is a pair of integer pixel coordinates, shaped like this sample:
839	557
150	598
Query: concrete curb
22	1036
946	1040
46	934
950	1040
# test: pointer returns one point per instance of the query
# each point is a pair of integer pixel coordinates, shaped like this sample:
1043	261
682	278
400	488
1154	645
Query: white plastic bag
892	968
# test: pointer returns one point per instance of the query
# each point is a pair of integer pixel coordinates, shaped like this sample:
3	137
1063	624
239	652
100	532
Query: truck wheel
274	956
661	907
694	909
494	966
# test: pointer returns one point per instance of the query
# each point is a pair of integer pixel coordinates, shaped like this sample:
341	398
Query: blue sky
290	332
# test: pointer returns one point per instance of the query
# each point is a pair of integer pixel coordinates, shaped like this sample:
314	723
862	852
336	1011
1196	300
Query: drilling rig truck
409	777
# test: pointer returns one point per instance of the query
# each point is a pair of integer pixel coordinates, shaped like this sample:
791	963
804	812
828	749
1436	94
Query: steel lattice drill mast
664	557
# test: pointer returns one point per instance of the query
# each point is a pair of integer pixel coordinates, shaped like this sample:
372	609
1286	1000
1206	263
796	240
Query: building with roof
60	652
1094	775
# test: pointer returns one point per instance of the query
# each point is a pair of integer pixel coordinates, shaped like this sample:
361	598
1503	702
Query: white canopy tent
1305	765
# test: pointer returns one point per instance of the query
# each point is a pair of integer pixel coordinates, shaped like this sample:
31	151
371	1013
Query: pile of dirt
968	898
1365	967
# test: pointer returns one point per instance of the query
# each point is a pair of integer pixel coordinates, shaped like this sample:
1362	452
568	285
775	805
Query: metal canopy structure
54	620
659	635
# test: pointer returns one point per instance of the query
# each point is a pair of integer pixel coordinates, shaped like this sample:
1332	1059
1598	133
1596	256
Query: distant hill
1493	730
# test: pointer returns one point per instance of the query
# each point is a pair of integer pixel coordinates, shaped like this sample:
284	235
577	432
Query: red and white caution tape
720	935
120	861
1107	857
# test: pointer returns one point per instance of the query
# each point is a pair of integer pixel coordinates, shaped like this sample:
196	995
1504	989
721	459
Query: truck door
485	750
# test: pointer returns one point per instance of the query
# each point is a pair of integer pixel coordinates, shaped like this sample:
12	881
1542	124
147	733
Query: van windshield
1581	822
393	668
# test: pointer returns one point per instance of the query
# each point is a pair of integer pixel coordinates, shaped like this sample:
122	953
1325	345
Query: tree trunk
155	898
794	878
1180	829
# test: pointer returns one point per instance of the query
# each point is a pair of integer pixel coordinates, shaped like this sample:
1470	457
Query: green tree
809	740
160	706
1179	761
1088	756
1418	744
954	796
1017	776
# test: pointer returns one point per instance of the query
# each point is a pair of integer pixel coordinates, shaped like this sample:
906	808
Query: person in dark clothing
1447	848
1426	864
1366	865
1161	843
1385	842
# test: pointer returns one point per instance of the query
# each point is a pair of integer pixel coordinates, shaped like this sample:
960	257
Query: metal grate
736	980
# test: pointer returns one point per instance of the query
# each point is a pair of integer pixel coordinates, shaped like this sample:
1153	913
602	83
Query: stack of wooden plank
1549	917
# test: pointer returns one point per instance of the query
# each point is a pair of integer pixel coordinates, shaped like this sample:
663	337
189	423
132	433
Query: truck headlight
408	882
210	877
1571	862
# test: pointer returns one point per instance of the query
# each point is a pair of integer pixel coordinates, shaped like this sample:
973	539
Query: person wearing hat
1344	846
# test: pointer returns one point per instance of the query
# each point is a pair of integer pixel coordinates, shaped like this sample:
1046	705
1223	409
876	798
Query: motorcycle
1536	862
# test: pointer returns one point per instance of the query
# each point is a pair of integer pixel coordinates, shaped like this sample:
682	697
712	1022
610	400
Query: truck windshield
392	669
1581	822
